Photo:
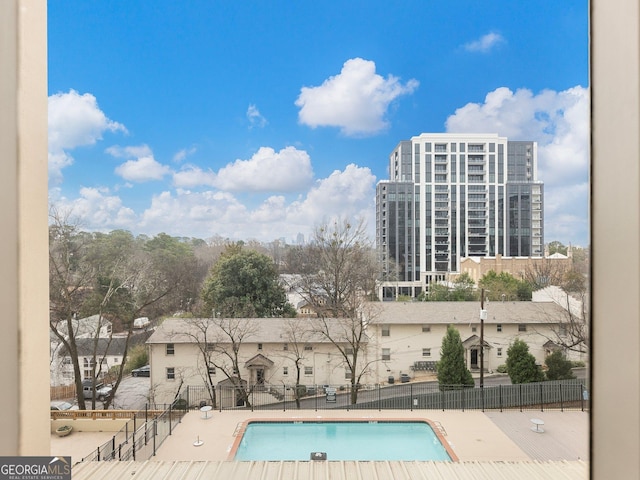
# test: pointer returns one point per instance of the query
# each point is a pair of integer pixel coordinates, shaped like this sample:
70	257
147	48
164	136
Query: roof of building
114	346
278	330
87	326
252	330
466	312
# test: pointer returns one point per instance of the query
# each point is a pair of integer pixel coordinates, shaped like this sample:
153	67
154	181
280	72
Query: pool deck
472	435
488	446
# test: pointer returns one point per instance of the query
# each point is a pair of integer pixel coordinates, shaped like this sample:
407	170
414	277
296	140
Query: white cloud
346	193
132	151
559	122
349	193
183	154
142	170
74	120
142	167
288	170
192	176
485	43
267	171
57	161
255	118
104	211
356	100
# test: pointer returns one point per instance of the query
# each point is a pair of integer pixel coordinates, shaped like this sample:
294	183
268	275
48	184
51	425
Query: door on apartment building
260	376
474	358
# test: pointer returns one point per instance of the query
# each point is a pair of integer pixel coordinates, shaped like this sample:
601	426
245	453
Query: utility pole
483	317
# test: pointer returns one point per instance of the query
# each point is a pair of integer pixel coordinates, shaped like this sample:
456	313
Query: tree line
120	277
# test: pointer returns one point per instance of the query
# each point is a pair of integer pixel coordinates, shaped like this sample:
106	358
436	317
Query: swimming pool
341	440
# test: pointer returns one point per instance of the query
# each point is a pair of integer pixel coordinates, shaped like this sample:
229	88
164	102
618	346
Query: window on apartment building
308	347
171	349
308	370
474	329
209	347
426	328
285	370
88	367
259	346
348	351
212	370
426	352
171	373
562	331
386	331
347	373
386	354
285	347
499	327
499	352
522	327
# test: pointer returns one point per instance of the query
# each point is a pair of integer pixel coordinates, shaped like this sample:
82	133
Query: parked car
102	391
61	406
141	372
142	322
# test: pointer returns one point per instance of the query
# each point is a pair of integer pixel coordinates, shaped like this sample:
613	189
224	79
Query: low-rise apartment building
400	338
407	336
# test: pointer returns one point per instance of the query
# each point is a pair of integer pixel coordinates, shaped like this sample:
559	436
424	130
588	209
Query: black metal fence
140	438
559	394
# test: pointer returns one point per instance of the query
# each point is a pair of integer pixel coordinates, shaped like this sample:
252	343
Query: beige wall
407	341
23	242
477	267
615	228
327	366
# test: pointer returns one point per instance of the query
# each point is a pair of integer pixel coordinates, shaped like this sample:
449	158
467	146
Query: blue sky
258	120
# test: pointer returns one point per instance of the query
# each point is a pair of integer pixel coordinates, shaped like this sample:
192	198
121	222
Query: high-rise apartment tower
451	196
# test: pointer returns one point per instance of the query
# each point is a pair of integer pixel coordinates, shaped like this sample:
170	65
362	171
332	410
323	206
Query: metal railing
558	394
141	437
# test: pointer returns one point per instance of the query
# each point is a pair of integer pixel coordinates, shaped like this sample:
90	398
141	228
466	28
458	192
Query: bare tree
297	334
572	331
544	272
203	337
107	276
227	336
70	281
343	278
349	337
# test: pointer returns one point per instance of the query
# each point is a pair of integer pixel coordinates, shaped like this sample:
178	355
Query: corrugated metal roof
150	470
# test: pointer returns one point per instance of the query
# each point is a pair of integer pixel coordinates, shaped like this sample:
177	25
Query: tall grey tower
451	196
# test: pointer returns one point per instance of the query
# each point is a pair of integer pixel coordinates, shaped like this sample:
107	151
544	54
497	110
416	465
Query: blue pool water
341	441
